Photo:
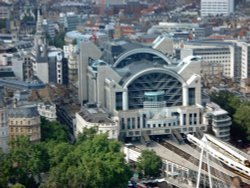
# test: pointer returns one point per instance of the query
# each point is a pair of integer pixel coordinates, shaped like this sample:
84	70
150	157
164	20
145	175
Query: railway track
195	161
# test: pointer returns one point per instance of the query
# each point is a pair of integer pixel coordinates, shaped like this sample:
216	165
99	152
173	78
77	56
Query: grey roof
95	116
27	111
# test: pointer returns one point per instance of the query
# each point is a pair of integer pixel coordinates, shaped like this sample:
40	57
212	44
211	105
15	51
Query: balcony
221	124
221	119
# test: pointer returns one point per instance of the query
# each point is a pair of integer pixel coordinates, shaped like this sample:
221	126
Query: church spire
39	23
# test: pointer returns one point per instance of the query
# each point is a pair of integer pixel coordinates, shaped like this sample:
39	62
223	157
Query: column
125	100
185	95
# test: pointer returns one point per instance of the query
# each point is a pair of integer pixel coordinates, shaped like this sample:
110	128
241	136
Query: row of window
167	131
20	122
22	129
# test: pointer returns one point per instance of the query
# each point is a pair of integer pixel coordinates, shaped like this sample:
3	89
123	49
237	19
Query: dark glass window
191	96
118	100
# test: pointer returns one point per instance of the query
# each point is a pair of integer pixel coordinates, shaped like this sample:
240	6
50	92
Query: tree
5	169
149	163
28	18
74	42
18	185
242	118
94	162
53	131
27	161
59	40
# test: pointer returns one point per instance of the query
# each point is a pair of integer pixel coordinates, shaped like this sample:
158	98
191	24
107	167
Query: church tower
40	51
40	41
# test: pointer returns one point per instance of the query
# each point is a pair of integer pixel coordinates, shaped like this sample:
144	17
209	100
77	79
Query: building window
191	96
190	119
159	125
123	124
138	123
118	100
148	125
133	123
154	125
195	118
128	123
184	119
144	120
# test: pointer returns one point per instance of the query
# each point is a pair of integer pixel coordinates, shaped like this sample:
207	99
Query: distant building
49	64
4	129
5	10
227	57
245	60
181	30
27	68
47	111
70	20
216	7
40	52
50	28
24	120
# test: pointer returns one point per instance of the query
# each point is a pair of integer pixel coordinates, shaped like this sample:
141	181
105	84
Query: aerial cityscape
124	93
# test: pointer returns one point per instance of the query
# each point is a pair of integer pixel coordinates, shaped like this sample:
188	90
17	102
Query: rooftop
25	111
95	115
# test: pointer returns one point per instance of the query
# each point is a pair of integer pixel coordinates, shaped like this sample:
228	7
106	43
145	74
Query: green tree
5	169
27	161
53	131
28	18
59	40
242	119
94	162
149	163
18	185
74	42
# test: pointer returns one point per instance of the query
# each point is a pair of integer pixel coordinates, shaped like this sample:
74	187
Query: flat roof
95	115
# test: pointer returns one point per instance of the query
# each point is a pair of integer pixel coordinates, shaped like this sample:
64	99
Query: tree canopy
93	161
149	163
53	131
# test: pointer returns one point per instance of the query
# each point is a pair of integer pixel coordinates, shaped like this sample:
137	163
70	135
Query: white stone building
145	91
48	111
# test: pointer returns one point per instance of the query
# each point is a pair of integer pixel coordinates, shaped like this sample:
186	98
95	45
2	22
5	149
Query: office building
143	93
216	7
